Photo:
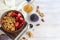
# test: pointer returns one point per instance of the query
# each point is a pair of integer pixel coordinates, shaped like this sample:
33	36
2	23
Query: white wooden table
50	29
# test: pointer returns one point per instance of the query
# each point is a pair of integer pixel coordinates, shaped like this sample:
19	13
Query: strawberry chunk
20	25
19	14
17	17
21	18
14	14
17	24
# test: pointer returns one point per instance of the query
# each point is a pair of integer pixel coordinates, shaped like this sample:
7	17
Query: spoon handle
0	21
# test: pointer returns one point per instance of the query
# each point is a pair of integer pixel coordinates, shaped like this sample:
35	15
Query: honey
28	8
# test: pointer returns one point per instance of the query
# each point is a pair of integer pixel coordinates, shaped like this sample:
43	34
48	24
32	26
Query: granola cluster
8	22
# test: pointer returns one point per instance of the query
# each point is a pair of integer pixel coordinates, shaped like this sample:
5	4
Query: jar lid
28	0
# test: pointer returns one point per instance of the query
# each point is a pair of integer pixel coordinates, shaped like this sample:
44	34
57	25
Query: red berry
22	22
20	25
19	14
17	24
21	18
17	18
14	14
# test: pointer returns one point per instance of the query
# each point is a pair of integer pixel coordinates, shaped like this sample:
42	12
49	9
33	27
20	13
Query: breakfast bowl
12	21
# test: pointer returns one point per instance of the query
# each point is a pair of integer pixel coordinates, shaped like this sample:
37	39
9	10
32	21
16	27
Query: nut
23	38
30	34
37	24
37	9
42	14
9	14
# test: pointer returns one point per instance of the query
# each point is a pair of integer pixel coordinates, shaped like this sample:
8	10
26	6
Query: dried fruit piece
37	24
23	38
30	34
42	20
37	9
31	25
42	14
34	17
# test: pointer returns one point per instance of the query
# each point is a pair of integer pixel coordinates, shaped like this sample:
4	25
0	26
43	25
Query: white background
50	29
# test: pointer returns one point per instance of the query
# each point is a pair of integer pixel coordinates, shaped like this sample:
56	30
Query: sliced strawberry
17	24
19	15
20	25
21	19
17	18
14	14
